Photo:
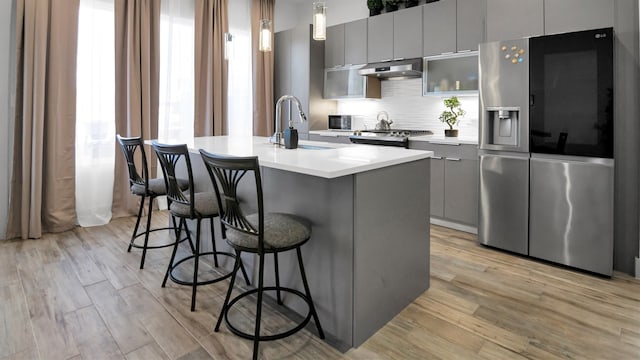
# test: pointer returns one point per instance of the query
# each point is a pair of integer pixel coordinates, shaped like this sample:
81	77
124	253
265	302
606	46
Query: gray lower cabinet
515	19
562	16
331	139
454	182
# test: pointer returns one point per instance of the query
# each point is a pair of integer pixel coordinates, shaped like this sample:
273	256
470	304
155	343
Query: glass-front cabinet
346	83
452	74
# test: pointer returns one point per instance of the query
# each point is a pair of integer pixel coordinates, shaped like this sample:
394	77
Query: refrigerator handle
532	100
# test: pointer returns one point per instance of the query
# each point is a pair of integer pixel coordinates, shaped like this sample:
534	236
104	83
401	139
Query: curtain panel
43	183
137	66
210	113
263	101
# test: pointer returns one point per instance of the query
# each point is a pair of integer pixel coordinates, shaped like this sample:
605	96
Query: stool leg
256	340
275	263
308	293
244	272
195	267
213	243
146	235
175	248
229	290
135	229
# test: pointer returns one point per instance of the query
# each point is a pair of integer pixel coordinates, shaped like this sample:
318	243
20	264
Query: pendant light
265	35
319	21
228	46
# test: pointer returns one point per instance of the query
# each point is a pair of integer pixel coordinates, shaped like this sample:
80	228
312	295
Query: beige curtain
262	64
137	42
211	68
43	182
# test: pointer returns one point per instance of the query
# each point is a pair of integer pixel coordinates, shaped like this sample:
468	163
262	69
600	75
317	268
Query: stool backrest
226	173
129	146
169	156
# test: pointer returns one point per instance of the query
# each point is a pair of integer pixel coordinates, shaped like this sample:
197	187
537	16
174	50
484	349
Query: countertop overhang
322	159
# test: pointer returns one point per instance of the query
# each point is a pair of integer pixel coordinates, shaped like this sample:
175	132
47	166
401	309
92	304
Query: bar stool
144	187
190	206
259	233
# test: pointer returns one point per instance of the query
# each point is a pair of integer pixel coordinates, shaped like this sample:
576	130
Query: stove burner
394	137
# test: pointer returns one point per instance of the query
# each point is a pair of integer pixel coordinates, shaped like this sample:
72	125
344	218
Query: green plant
392	2
450	117
375	4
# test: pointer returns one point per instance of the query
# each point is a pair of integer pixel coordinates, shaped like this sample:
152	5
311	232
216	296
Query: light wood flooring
80	295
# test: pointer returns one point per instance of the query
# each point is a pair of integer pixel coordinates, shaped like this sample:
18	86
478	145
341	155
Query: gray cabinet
514	19
439	29
299	71
469	24
454	182
562	16
331	139
334	46
453	25
355	42
407	34
380	38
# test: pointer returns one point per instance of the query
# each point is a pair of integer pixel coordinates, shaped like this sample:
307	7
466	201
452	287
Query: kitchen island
368	256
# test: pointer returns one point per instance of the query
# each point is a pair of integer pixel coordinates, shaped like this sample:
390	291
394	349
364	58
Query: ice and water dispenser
503	126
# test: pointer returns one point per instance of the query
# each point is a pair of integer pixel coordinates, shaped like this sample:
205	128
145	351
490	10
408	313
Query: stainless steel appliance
396	69
546	148
345	122
391	137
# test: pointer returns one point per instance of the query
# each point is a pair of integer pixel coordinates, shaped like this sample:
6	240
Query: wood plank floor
80	295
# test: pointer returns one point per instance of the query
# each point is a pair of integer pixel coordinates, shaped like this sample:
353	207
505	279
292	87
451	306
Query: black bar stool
193	206
144	187
259	233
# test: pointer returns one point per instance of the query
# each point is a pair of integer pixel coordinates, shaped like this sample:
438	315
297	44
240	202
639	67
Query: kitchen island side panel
391	243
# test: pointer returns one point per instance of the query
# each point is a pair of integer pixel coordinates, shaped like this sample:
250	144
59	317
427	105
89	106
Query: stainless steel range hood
395	69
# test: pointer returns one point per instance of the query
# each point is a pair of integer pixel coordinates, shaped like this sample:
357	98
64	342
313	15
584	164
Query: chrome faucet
277	136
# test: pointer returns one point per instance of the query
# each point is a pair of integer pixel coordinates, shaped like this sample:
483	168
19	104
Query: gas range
393	137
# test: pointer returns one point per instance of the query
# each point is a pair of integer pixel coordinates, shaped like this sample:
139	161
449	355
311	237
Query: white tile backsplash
408	109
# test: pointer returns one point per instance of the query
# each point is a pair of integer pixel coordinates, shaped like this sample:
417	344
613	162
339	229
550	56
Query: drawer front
462	151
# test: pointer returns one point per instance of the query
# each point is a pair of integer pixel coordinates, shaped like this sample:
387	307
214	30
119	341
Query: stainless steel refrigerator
546	148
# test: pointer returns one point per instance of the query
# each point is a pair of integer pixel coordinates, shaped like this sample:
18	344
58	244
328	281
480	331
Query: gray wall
7	9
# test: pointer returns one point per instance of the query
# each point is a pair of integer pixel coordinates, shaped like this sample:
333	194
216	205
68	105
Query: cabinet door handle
437	157
447	53
463	51
400	58
385	60
453	159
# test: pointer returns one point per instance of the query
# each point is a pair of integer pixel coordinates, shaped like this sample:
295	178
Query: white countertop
335	161
435	139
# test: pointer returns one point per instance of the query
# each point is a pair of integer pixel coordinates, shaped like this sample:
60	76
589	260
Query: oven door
571	94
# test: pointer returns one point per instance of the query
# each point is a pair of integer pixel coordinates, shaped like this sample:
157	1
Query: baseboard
637	268
456	226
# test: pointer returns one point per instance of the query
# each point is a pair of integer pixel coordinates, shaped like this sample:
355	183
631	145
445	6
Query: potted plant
411	3
450	117
391	5
375	6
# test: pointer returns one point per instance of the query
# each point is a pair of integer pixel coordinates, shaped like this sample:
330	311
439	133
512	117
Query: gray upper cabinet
439	30
562	16
355	42
407	33
515	19
334	46
470	24
380	38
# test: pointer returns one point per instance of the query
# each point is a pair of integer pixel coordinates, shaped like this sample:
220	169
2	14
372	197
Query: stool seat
156	187
281	231
205	204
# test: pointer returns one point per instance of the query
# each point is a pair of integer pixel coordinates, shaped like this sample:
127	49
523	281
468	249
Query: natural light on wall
240	110
177	70
95	112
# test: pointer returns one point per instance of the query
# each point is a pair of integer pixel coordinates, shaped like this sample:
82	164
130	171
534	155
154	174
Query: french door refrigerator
546	148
